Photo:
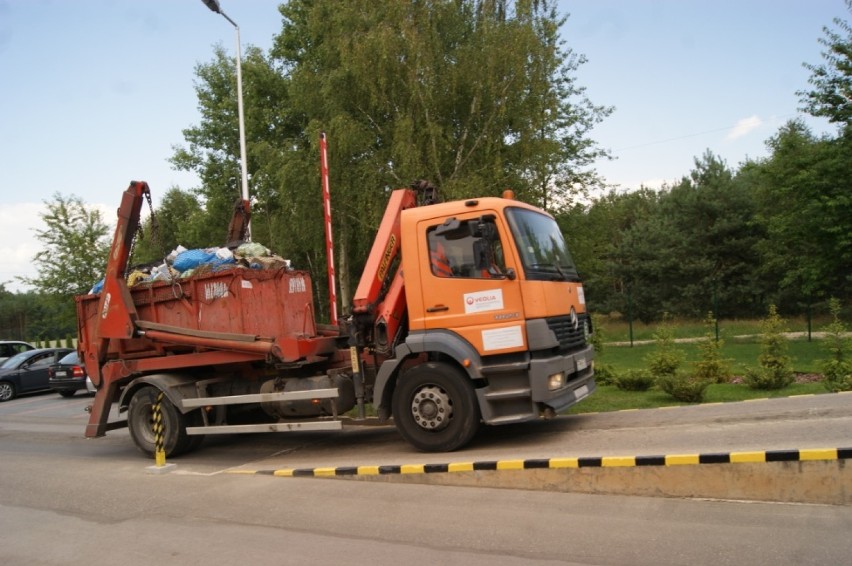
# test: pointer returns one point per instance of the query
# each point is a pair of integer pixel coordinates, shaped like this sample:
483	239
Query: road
68	500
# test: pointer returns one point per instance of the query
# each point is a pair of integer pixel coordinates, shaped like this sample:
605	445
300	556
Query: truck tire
434	407
140	422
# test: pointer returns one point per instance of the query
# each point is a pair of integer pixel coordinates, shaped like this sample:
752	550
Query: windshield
541	246
15	360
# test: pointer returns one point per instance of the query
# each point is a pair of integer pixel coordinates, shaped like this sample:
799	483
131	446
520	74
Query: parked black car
67	376
27	371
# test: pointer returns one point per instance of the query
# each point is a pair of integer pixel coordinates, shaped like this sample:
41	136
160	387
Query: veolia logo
491	300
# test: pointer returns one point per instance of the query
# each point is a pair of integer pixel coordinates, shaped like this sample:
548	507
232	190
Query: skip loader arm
116	314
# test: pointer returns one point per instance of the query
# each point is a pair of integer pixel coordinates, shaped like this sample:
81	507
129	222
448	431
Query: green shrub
683	387
775	371
712	367
604	374
666	358
837	369
634	380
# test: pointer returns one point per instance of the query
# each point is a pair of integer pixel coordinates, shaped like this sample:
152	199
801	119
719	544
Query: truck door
471	285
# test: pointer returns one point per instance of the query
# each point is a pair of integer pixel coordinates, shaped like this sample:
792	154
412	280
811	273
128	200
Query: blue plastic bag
190	259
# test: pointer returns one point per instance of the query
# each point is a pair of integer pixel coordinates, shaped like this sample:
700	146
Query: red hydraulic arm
379	301
382	255
329	240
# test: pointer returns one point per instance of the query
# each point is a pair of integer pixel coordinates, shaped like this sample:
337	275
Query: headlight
556	381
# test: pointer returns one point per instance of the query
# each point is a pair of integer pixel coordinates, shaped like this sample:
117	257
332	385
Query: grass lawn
610	398
742	353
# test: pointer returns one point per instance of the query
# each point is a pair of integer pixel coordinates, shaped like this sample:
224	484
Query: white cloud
744	127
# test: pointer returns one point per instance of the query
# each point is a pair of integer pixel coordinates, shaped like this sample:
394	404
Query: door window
467	248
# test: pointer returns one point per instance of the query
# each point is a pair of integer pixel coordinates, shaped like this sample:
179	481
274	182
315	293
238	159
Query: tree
697	240
775	371
831	96
804	192
179	220
13	315
73	256
475	96
594	233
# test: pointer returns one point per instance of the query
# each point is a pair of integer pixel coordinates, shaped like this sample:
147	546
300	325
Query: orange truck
468	312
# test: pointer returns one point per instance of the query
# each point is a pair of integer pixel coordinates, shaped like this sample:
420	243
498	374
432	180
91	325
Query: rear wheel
67	393
434	407
7	391
141	423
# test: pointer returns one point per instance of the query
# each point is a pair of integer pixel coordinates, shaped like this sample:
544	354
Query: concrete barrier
799	476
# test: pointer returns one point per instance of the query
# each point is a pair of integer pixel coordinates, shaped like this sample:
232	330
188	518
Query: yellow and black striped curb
561	463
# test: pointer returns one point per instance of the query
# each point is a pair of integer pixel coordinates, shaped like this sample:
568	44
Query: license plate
581	392
61	374
582	364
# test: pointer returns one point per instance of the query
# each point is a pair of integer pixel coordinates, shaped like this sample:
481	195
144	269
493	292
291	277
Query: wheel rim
144	421
432	408
5	391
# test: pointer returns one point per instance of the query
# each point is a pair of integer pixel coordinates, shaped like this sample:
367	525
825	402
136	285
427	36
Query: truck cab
495	304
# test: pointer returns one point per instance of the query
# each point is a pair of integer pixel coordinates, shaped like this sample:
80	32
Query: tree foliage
831	95
73	254
805	192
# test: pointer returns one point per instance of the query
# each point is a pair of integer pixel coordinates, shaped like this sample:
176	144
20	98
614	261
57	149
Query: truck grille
569	337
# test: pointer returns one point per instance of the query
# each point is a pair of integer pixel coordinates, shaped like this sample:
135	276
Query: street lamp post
214	6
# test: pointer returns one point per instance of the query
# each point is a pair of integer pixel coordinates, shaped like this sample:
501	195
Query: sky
95	93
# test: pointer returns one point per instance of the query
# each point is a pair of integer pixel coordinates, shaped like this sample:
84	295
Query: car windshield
15	360
70	359
541	246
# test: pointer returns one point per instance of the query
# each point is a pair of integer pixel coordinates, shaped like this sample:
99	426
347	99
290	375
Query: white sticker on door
483	301
502	338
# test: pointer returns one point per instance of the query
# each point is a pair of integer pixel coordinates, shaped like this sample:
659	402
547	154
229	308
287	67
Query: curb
813	476
753	457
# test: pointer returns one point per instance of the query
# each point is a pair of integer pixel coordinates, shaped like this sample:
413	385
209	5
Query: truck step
268	427
260	398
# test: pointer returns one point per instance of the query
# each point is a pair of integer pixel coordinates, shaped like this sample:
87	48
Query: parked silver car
9	348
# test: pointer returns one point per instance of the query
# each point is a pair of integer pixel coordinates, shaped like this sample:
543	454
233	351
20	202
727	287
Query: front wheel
434	407
7	391
140	421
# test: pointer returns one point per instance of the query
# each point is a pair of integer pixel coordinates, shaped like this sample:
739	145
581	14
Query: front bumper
519	392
